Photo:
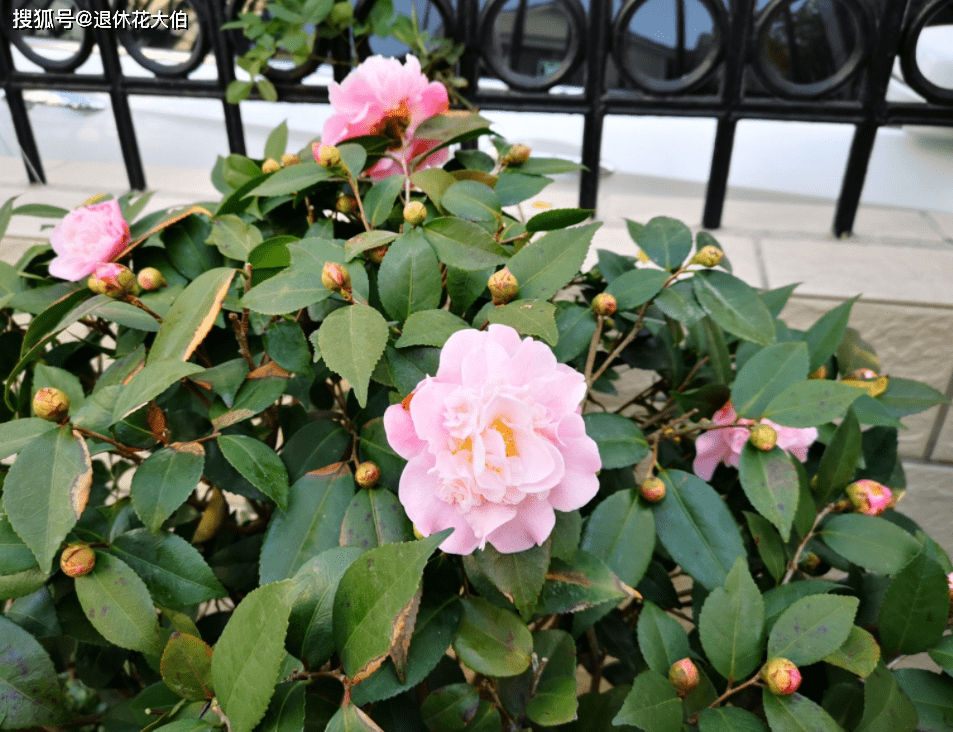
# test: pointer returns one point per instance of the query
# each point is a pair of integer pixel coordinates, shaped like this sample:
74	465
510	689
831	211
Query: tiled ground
899	260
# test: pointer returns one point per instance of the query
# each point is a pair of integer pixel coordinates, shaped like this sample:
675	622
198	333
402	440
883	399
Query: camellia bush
358	447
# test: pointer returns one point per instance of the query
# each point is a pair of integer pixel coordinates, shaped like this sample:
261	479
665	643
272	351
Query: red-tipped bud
684	676
517	155
150	279
51	404
336	278
328	157
376	255
503	286
77	560
270	166
604	304
113	280
367	474
708	256
781	676
819	373
869	497
763	437
346	204
289	159
653	489
415	213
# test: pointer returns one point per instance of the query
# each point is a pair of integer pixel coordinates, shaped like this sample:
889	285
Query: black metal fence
792	60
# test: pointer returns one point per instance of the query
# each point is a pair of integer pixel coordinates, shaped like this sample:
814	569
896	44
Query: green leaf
697	529
717	350
233	237
552	699
914	610
430	328
731	625
255	395
31	690
174	572
621	532
165	480
463	245
352	340
433	182
651	705
249	653
258	464
858	654
558	218
46	491
575	325
286	710
285	343
379	201
374	518
291	180
811	403
450	708
409	366
770	547
448	126
905	396
186	667
870	541
317	503
839	459
619	439
350	718
376	603
779	599
942	655
637	286
118	605
729	719
409	278
824	336
472	200
932	696
354	157
237	91
666	241
36	614
734	306
375	447
148	383
678	302
366	240
583	583
544	266
513	188
492	641
19	433
314	446
770	481
811	628
519	575
191	316
886	707
662	640
796	713
766	375
277	141
549	166
528	317
286	292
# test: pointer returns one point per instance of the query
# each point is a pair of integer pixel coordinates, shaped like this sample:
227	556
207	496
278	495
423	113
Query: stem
620	346
731	691
133	300
797	555
241	335
403	164
593	347
126	451
360	203
597	658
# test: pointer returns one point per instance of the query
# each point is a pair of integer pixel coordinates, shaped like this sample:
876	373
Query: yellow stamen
507	434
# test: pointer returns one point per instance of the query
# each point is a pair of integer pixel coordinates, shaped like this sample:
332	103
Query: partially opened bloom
869	497
86	238
495	441
384	97
724	445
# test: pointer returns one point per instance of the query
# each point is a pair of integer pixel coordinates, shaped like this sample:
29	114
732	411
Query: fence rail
593	61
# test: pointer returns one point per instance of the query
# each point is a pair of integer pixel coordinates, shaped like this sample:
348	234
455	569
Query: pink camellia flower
495	441
86	238
387	98
725	444
869	497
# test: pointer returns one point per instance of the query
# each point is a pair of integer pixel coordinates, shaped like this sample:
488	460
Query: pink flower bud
113	280
764	437
367	474
77	560
51	404
604	304
684	676
503	286
151	279
653	489
781	676
376	255
869	497
415	213
335	277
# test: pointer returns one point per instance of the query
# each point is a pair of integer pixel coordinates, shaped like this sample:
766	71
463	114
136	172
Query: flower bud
865	374
289	159
763	437
869	497
415	213
820	373
810	562
653	489
604	304
949	581
503	286
517	155
113	280
376	255
346	204
270	166
708	256
328	157
335	277
367	474
781	676
684	676
51	404
77	560
150	279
